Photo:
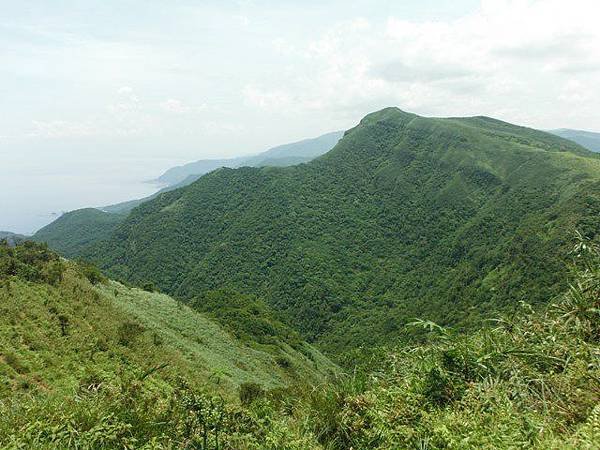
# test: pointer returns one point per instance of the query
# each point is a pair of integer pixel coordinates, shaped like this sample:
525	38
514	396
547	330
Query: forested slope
445	219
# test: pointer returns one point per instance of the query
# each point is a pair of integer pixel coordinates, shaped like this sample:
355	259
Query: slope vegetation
77	229
71	340
530	381
446	219
73	377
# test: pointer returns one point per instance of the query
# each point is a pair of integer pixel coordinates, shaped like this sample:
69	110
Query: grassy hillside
76	372
586	139
70	340
77	229
445	219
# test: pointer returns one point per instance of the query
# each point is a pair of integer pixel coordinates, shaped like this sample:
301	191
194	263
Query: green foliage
128	332
91	272
249	392
106	366
246	317
530	382
128	414
451	220
31	262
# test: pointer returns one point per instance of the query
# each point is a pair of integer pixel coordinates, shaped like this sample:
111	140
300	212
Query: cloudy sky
97	96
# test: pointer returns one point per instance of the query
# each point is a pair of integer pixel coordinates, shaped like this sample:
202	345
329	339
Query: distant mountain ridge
282	155
77	229
587	139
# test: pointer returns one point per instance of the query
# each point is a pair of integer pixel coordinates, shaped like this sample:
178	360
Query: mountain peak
390	112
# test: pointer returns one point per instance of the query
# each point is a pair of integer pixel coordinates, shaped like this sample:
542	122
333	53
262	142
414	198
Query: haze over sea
35	190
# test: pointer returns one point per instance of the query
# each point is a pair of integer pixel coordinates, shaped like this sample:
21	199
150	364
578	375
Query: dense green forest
88	363
450	220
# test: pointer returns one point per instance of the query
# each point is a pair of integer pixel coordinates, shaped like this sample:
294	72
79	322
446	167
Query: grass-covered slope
72	341
446	219
51	304
76	230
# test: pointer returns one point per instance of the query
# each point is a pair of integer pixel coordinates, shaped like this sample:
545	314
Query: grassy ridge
210	350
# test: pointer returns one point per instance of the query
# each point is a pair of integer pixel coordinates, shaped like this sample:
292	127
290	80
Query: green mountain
282	155
586	139
78	229
407	217
446	219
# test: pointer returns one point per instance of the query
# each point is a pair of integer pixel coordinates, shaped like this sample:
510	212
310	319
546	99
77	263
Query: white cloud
174	106
124	90
56	129
267	99
510	58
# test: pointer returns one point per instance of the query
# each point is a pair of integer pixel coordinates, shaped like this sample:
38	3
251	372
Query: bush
91	272
129	332
249	392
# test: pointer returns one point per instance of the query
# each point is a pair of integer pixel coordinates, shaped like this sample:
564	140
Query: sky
97	97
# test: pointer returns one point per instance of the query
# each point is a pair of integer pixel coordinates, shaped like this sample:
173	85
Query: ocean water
27	203
38	184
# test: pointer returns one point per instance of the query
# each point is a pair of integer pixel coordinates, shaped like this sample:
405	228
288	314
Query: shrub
91	272
129	332
249	392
